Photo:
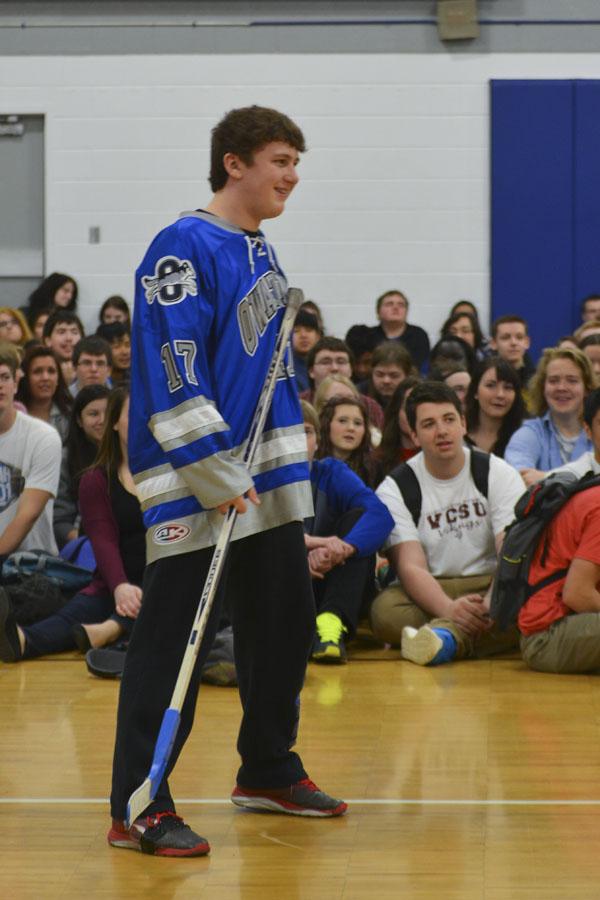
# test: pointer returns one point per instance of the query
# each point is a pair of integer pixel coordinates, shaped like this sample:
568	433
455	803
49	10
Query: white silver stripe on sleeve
280	451
186	423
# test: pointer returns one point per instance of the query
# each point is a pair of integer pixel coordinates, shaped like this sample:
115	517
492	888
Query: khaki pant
393	609
571	645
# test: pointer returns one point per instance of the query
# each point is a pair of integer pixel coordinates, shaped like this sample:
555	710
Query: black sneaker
301	799
107	662
161	834
10	646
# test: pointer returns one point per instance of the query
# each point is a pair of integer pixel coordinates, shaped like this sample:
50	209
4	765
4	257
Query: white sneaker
420	645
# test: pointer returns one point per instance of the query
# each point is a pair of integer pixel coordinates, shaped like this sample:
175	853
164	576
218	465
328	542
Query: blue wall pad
532	206
586	216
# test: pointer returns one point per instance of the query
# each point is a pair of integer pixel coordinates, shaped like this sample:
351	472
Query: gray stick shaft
295	299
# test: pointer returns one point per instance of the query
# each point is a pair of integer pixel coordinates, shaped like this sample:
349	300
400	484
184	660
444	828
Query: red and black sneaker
301	799
162	834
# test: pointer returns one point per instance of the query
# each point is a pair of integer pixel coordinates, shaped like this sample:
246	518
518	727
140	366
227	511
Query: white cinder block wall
394	190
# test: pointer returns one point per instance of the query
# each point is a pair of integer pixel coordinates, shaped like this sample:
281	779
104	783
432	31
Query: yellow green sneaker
328	646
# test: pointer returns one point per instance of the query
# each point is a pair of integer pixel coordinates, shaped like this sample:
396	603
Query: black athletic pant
347	588
269	600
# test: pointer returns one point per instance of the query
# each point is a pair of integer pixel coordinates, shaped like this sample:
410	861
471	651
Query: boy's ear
233	165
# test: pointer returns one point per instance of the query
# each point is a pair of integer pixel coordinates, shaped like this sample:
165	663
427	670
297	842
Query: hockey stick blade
143	796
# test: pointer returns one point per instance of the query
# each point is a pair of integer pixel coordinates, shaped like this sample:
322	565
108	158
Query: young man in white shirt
30	456
445	560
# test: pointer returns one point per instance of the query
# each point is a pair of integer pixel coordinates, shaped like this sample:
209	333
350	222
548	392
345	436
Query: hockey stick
145	794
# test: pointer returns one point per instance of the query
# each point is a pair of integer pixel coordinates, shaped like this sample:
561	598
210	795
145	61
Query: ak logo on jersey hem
173	280
171	533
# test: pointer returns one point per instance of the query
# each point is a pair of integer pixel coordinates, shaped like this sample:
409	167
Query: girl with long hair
56	291
333	386
115	309
396	442
86	427
466	326
495	408
345	435
42	389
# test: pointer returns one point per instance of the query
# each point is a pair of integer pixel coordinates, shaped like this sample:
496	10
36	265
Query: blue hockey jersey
209	302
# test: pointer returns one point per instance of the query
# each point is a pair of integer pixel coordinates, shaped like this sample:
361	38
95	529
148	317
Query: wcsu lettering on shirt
455	513
258	307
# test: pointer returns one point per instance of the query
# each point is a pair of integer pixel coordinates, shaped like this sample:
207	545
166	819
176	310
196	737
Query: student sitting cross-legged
348	526
450	506
560	622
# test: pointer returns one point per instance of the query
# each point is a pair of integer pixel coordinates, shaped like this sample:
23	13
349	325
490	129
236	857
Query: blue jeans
53	635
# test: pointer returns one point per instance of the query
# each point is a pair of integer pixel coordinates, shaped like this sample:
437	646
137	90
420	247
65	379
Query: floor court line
225	801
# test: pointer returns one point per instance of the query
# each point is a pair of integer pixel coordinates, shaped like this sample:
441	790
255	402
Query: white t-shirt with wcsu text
458	525
30	455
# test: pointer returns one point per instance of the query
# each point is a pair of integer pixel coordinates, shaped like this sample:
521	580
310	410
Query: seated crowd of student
55	383
417	453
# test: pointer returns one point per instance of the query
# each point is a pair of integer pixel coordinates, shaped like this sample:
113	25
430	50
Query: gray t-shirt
30	454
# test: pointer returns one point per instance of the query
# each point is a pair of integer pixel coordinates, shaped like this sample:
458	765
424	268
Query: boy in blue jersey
210	296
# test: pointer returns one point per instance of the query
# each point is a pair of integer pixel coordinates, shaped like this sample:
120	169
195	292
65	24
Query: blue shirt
535	445
337	490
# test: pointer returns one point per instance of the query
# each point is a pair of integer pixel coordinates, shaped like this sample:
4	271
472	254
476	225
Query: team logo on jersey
258	307
12	484
173	280
171	533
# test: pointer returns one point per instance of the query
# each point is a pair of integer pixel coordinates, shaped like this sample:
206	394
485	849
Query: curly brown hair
537	401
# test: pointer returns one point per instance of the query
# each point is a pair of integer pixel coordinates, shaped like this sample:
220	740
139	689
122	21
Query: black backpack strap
410	490
549	579
480	470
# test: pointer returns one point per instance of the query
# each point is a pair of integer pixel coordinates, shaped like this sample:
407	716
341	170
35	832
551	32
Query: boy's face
311	440
393	310
121	352
92	369
268	181
8	388
439	431
63	338
591	310
387	378
511	342
594	434
362	366
330	362
304	338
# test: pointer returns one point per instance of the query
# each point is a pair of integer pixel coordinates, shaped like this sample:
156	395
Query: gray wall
290	26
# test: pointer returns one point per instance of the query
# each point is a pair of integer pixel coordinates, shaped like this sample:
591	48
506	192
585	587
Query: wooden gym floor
474	781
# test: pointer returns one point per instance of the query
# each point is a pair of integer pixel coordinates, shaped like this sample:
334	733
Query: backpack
533	512
23	564
79	552
408	483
